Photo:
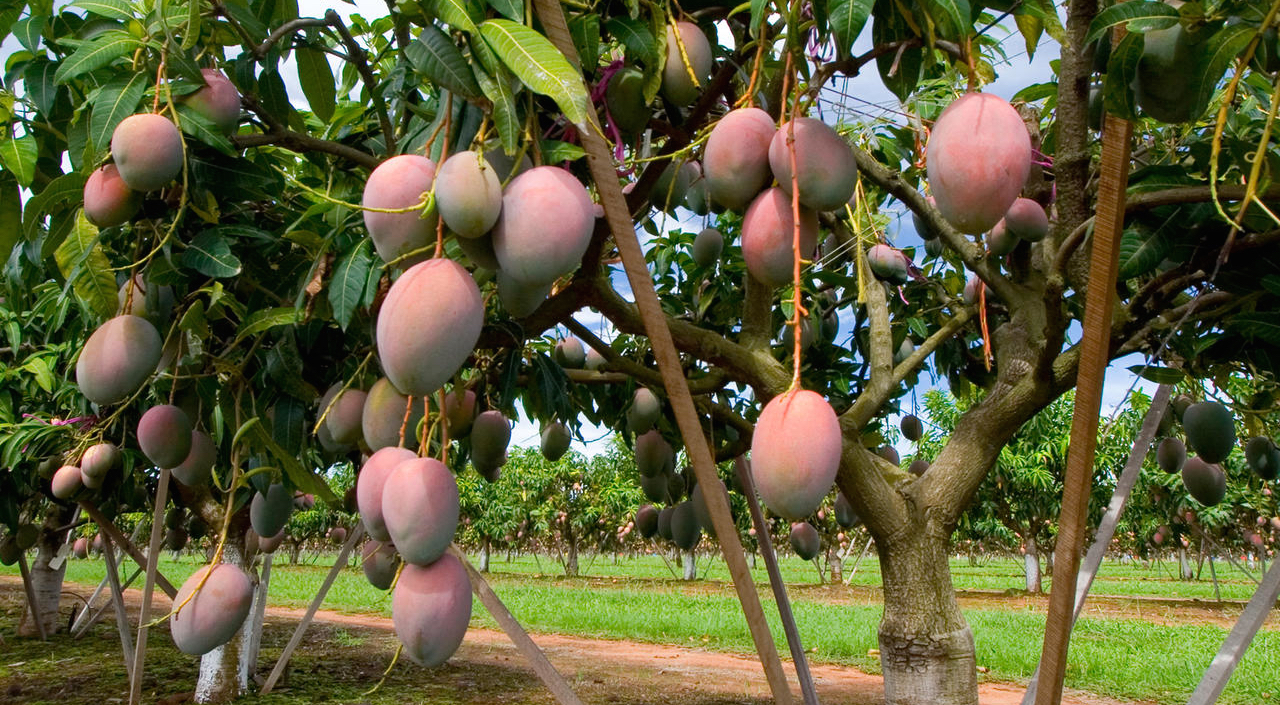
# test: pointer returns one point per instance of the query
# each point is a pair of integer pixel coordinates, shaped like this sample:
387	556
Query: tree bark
1184	565
835	564
221	680
46	580
690	566
926	647
1032	562
571	553
484	556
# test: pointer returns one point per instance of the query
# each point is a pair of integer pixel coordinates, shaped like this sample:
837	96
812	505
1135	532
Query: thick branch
301	142
284	30
358	56
711	382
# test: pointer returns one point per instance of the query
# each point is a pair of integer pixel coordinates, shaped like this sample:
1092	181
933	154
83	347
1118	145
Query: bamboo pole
1111	519
149	584
357	532
545	671
1095	344
604	173
745	479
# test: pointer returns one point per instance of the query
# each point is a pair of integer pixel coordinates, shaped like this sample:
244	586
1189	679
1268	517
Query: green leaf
210	255
19	156
555	152
10	215
585	30
266	319
194	320
102	50
848	17
540	66
1218	53
28	31
759	10
68	188
191	33
1141	252
83	263
510	9
1034	92
1122	68
505	117
346	289
316	77
259	437
1159	375
115	101
114	9
1031	28
459	14
952	15
1139	15
39	367
200	127
1265	326
636	37
435	56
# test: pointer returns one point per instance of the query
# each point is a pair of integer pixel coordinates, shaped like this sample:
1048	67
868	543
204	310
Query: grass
1113	657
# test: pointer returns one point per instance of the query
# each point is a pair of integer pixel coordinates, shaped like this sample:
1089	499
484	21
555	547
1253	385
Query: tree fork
615	207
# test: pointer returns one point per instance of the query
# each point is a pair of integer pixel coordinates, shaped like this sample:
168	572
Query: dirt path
605	671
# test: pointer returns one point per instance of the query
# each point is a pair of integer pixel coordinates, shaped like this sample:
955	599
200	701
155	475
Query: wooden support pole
149	584
550	677
259	614
859	561
82	628
127	546
1111	519
604	173
745	479
32	605
1095	346
357	532
1238	640
117	602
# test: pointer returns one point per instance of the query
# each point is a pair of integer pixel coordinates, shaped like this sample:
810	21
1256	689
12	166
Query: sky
869	99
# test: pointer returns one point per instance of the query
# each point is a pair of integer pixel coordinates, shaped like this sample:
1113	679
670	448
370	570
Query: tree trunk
571	553
221	679
1032	562
835	564
926	647
1184	565
690	566
46	580
484	556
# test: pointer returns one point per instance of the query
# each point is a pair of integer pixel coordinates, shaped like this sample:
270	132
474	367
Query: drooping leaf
585	30
1031	28
84	264
316	77
211	255
1141	252
115	101
505	118
952	16
266	319
28	31
1122	67
198	126
540	66
38	79
19	156
900	71
510	9
68	188
1218	53
1265	326
346	289
635	36
848	17
459	14
96	53
555	151
435	56
1139	15
260	438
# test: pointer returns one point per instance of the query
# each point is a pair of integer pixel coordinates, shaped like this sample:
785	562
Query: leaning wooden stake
1111	519
550	677
153	557
127	546
604	173
1237	642
1095	345
258	615
357	533
82	627
117	601
31	596
807	690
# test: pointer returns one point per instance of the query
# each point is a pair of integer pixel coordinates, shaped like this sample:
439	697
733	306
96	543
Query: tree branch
301	142
711	382
360	58
259	52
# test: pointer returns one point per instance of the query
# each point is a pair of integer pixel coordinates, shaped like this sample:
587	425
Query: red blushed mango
520	299
490	435
268	513
108	200
795	453
196	468
147	149
67	481
805	540
379	562
825	171
118	359
767	235
383	415
428	326
98	460
345	416
460	412
215	614
677	83
369	484
652	452
164	433
736	161
1027	220
468	194
399	182
218	101
420	508
979	155
545	226
430	610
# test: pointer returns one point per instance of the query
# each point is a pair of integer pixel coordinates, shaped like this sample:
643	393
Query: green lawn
1112	657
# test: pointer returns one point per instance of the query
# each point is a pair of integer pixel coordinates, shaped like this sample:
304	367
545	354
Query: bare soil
345	654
